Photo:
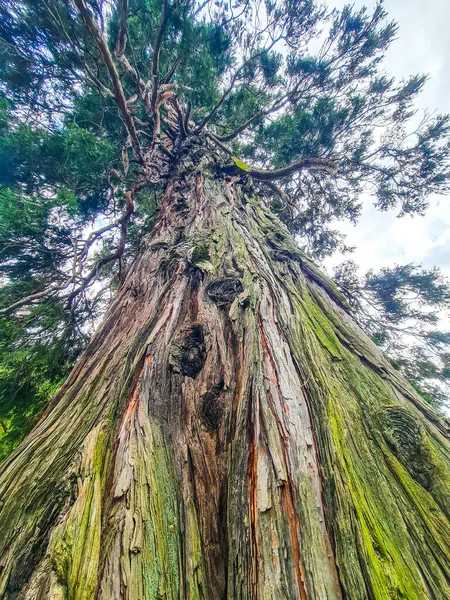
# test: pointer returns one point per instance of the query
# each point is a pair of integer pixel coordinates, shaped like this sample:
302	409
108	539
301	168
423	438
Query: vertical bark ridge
229	433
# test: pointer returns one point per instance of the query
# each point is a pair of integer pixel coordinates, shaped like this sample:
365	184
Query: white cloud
423	46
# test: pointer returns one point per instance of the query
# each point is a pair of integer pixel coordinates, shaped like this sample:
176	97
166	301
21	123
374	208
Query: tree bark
229	433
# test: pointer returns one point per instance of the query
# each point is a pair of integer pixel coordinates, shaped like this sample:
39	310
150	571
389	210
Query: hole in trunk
193	352
211	411
224	291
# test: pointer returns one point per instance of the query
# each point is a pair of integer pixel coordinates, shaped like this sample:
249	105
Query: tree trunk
229	433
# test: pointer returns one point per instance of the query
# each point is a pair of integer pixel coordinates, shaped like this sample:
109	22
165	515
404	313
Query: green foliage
298	100
36	354
52	184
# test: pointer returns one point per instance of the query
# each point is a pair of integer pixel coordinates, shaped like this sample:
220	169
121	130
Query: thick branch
310	164
114	75
120	49
180	117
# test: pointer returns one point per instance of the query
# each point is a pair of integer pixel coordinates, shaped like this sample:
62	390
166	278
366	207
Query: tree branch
171	72
129	208
279	192
310	164
79	259
277	105
121	44
156	51
114	75
123	28
230	88
180	117
31	298
217	142
89	74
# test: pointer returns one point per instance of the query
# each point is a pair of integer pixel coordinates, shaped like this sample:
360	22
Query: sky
422	46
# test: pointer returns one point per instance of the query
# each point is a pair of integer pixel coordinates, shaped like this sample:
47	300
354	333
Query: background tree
401	309
229	431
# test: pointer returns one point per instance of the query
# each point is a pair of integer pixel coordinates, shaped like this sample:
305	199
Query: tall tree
230	431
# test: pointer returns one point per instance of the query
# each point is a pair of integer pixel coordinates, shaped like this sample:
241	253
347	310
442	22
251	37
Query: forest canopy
98	100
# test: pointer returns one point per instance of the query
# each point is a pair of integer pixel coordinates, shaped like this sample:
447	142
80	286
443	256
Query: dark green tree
229	430
401	309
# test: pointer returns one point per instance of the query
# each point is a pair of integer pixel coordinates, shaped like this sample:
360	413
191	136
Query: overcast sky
423	46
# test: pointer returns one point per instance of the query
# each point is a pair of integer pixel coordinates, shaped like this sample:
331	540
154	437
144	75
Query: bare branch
123	28
49	291
230	88
165	92
171	72
80	256
114	75
95	80
279	192
120	49
156	51
187	116
180	116
129	208
217	142
201	7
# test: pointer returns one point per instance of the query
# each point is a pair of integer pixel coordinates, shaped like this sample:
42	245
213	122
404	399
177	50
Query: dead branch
279	192
123	28
114	75
129	208
156	99
217	142
180	116
156	51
